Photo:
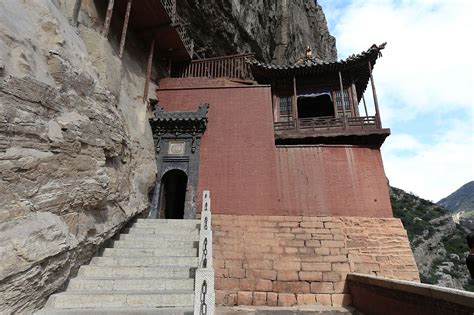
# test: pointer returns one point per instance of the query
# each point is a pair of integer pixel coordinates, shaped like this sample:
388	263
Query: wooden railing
284	125
322	124
178	23
232	67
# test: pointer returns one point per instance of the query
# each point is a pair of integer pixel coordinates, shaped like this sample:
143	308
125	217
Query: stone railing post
204	295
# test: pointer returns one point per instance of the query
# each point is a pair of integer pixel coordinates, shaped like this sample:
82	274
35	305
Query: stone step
176	222
177	261
109	311
123	299
160	244
121	284
167	226
158	237
160	231
150	252
97	271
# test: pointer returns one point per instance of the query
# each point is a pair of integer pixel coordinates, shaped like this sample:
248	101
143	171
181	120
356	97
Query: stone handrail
377	295
204	294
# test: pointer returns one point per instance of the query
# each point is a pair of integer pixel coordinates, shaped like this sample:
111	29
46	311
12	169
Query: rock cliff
76	150
276	31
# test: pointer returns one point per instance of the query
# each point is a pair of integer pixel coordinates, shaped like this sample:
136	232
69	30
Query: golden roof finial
309	52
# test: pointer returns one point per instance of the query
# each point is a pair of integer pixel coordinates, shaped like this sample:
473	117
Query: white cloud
427	72
431	171
428	64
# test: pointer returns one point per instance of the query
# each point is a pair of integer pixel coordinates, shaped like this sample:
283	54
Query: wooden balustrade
328	124
232	67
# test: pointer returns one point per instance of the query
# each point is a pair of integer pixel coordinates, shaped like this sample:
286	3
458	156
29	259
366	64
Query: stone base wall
290	260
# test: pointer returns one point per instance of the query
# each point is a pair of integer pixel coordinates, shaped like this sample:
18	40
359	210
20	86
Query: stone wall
289	260
373	295
76	151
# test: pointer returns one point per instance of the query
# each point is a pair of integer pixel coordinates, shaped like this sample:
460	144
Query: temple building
272	140
292	157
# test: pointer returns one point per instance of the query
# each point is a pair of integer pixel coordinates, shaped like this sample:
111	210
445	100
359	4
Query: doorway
319	106
173	194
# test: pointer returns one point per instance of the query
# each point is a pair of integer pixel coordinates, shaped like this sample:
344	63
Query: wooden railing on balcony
328	124
231	67
178	23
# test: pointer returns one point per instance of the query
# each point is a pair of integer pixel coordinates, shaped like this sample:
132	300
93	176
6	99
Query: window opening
285	108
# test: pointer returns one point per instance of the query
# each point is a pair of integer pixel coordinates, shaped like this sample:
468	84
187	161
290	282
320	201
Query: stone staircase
148	270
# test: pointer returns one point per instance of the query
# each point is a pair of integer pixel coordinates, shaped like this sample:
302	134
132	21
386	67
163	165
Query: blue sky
424	82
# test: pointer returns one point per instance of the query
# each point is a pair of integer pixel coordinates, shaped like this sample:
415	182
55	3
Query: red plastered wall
247	174
332	180
237	162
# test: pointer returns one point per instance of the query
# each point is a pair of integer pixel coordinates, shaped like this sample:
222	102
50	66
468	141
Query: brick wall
289	260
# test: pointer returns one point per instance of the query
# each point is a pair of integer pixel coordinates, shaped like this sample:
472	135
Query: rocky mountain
460	200
276	31
76	150
437	241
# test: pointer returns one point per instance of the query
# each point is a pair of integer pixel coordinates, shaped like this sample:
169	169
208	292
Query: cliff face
276	31
76	150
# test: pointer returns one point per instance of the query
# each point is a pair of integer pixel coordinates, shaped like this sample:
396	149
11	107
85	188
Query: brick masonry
294	260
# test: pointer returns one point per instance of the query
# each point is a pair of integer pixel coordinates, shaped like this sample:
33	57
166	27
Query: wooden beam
75	12
108	18
125	27
148	70
374	93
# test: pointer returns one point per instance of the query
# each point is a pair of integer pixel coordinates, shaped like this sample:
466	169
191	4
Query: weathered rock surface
76	152
276	31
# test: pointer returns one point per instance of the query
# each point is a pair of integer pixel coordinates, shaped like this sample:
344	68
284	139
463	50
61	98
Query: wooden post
355	102
125	26
75	12
334	103
294	105
374	93
169	66
148	70
365	106
108	18
343	102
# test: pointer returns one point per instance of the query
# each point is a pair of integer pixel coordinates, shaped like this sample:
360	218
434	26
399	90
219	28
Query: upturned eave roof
316	66
354	69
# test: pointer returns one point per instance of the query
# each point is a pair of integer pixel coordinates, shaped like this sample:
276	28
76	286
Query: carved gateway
177	137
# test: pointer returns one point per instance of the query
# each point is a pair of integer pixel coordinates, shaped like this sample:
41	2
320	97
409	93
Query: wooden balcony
337	130
231	67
